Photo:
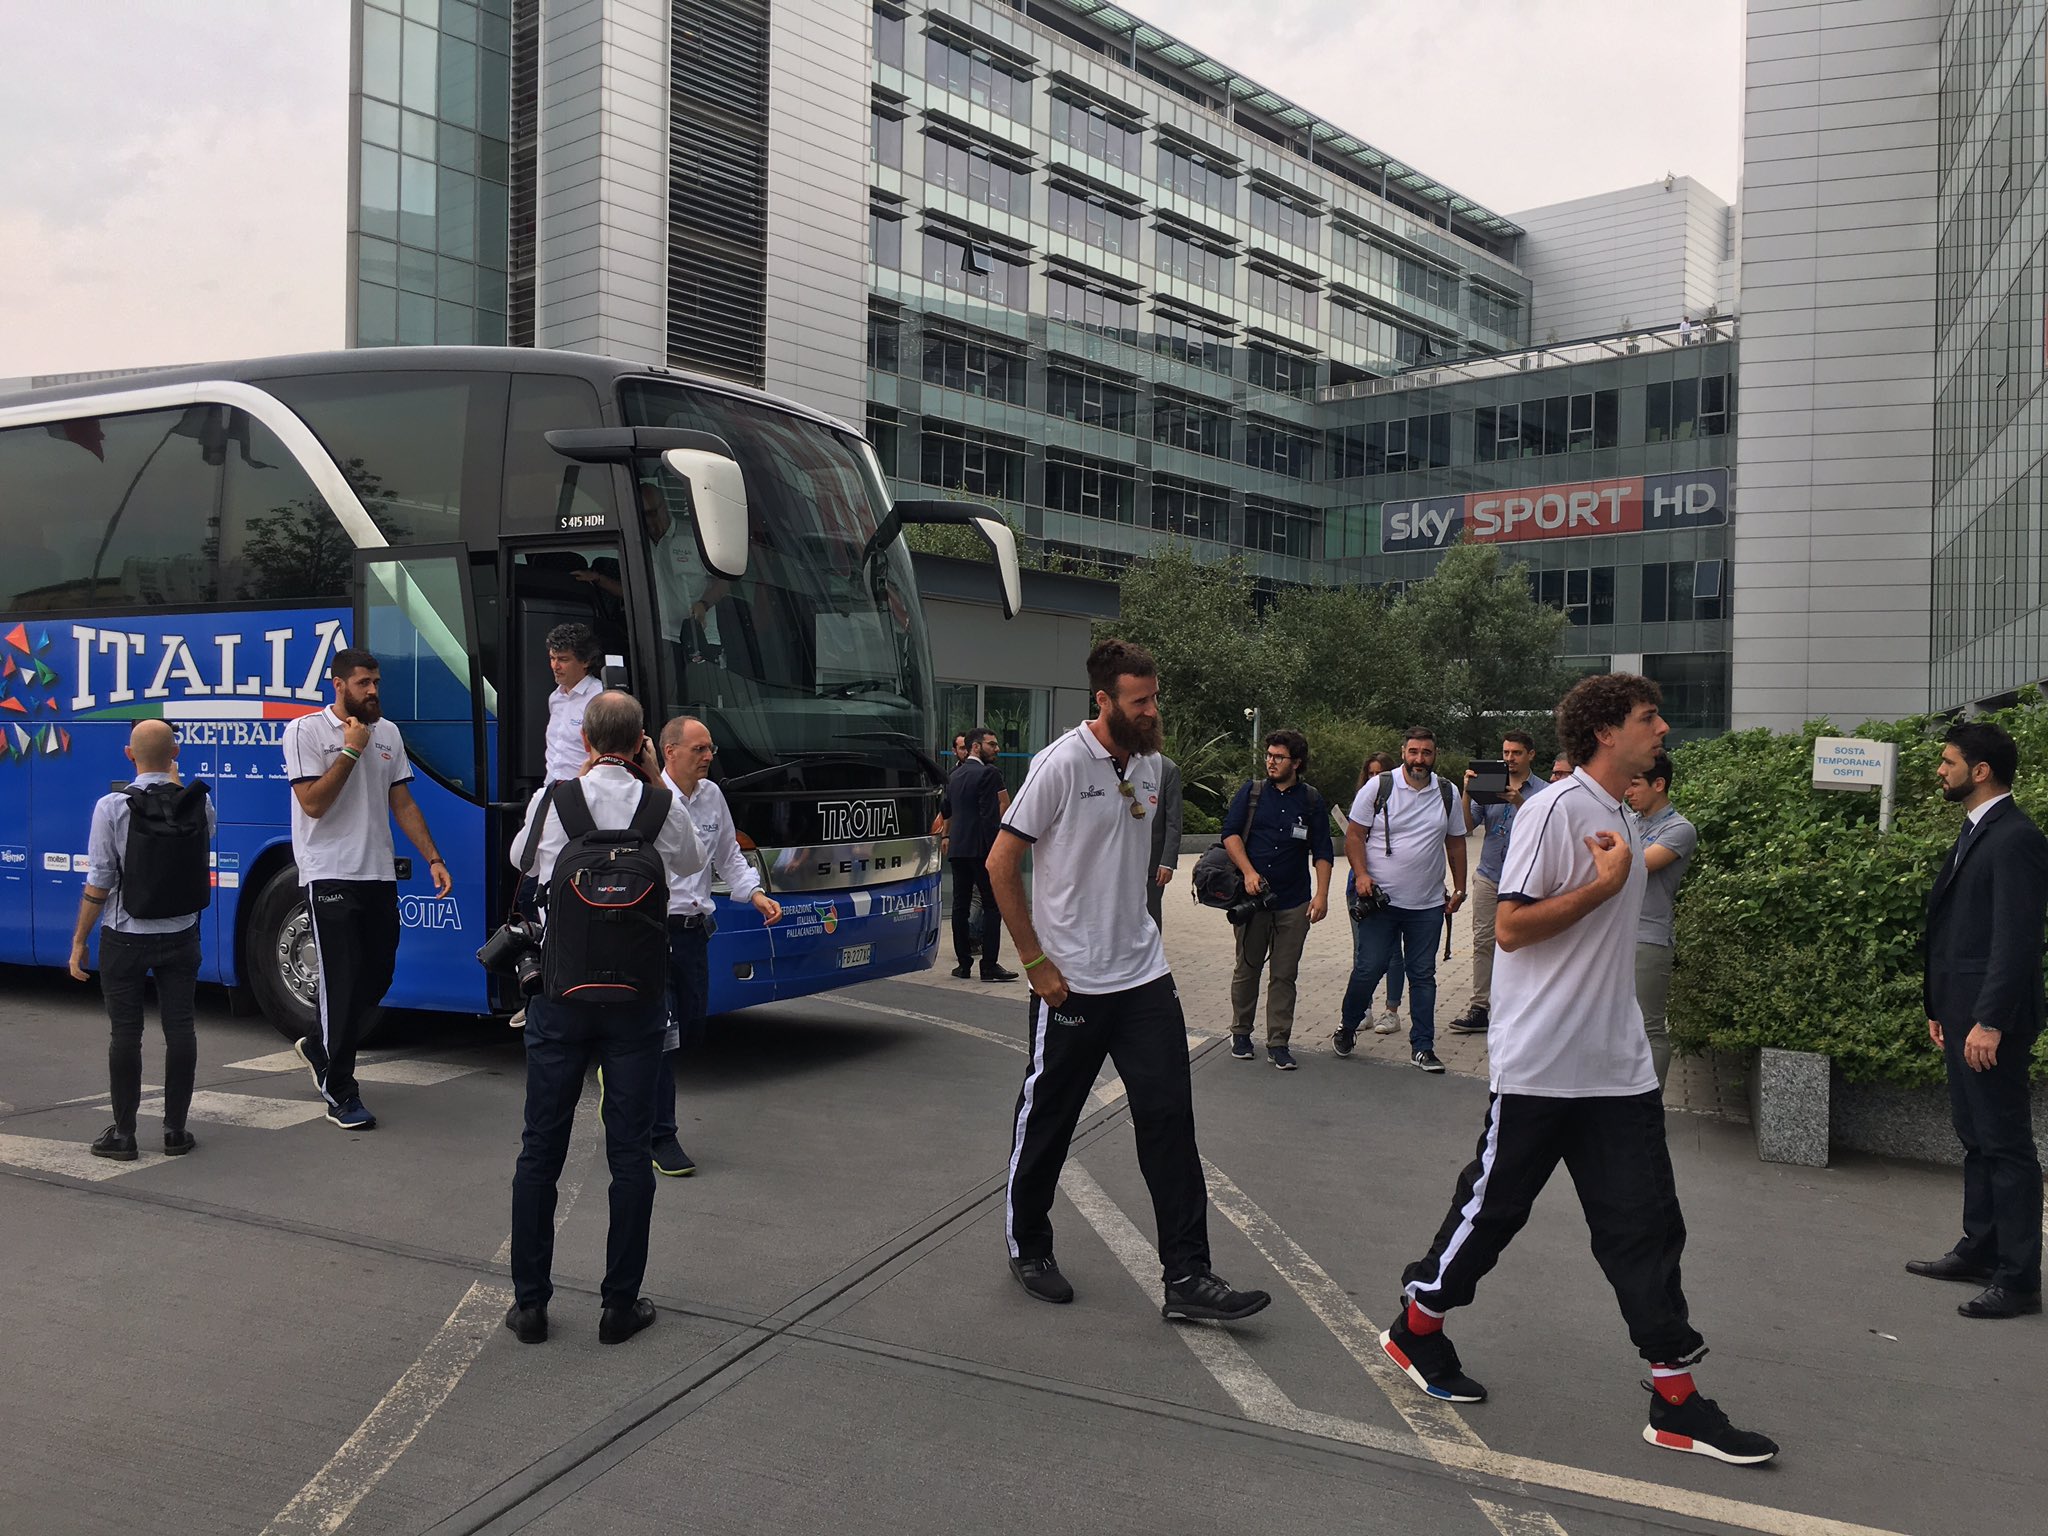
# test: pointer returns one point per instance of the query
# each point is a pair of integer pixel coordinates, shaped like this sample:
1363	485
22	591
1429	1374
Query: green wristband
1039	961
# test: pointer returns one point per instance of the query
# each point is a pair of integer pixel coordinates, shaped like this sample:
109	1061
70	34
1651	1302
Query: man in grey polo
1668	841
348	770
131	948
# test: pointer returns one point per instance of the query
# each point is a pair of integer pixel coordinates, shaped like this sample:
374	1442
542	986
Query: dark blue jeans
689	996
1373	945
1396	970
561	1041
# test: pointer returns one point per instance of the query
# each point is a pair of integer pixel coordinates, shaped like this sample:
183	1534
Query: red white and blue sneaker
1698	1425
1430	1361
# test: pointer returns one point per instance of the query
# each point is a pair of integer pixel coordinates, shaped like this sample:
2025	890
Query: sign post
1848	762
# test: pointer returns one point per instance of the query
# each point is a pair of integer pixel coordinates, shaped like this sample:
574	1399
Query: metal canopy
1327	137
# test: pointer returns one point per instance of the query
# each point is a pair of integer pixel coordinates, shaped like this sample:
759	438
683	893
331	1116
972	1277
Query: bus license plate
856	954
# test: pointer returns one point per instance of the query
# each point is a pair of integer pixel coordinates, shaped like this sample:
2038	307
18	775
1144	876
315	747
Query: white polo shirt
565	749
1090	861
353	840
690	891
1418	825
613	794
1565	1020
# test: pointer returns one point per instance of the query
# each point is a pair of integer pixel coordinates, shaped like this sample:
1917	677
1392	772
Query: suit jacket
1166	817
1984	920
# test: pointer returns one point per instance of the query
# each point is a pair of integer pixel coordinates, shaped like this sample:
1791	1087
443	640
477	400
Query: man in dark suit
1984	1009
1165	838
973	806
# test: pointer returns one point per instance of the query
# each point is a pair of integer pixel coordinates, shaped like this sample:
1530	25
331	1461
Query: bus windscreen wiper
790	766
909	744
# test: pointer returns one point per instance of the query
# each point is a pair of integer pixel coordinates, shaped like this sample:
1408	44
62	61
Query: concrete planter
1801	1107
1788	1106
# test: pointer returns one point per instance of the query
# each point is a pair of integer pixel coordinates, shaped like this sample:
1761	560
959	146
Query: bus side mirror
718	494
995	532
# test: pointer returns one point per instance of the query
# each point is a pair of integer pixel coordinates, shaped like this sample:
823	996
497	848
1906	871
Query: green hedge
1800	924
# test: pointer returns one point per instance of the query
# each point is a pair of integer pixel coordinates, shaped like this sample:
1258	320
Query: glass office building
430	165
1094	277
1990	610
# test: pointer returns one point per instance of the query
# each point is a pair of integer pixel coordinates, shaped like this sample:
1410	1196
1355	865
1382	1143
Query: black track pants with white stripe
1615	1151
355	929
1143	1032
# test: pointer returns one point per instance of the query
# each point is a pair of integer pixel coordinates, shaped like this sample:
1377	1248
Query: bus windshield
819	650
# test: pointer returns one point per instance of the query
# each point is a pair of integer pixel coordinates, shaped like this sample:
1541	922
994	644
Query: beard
369	711
1131	733
1956	796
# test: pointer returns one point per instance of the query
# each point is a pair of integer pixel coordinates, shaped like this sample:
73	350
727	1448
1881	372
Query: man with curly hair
1573	1081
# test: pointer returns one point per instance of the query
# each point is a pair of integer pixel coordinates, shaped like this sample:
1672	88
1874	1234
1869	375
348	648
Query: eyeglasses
1279	757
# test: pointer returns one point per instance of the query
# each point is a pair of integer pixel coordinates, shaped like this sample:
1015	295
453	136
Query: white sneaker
1388	1022
518	1020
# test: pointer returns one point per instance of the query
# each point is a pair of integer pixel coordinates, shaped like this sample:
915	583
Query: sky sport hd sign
1578	509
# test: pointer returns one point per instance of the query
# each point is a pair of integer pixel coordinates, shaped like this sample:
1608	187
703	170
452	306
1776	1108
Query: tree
1200	623
1489	649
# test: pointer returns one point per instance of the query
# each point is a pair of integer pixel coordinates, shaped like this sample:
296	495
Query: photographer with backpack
1403	827
1275	832
602	846
147	881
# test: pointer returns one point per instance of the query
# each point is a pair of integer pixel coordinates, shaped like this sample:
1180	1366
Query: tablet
1489	785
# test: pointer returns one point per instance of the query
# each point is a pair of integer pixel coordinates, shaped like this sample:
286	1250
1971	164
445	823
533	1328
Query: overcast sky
172	174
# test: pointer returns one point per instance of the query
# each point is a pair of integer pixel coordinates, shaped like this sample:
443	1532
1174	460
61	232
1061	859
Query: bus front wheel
280	959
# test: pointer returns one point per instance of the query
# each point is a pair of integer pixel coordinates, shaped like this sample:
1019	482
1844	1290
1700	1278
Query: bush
1800	924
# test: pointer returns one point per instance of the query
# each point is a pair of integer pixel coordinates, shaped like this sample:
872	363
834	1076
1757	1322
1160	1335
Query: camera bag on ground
606	939
165	871
1217	881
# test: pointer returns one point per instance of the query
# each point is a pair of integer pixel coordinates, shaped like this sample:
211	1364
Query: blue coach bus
193	545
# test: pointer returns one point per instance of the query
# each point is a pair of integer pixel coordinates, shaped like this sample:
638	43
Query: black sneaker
615	1325
1208	1296
964	970
178	1143
997	973
1698	1425
1427	1061
1430	1361
671	1161
1241	1048
528	1324
1347	1037
116	1144
319	1077
351	1116
1281	1057
1472	1023
1042	1278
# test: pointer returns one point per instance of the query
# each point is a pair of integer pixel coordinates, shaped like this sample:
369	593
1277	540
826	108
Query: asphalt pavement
297	1328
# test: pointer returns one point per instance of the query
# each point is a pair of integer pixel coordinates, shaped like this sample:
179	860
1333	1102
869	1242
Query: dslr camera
514	950
1245	908
1364	903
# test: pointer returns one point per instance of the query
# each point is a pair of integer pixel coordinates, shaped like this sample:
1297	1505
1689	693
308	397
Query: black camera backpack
606	939
165	871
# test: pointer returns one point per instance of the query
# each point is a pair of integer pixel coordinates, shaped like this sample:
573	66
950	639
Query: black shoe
964	970
1347	1037
671	1161
1427	1061
1430	1361
1208	1296
615	1325
1042	1278
1241	1048
1699	1426
1472	1023
115	1143
1281	1057
529	1324
178	1143
997	973
1949	1266
1993	1301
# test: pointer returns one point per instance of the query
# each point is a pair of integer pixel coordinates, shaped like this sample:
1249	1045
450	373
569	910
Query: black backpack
1385	792
1217	881
606	939
165	870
